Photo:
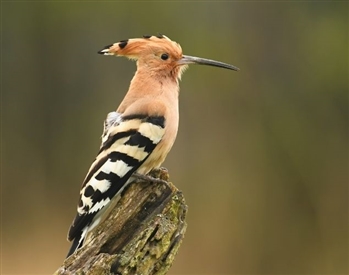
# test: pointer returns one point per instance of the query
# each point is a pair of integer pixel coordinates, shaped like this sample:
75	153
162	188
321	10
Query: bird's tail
75	245
78	241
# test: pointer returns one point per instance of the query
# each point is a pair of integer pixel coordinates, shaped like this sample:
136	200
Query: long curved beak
186	59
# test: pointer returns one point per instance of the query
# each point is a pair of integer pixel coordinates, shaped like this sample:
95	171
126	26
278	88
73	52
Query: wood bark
141	234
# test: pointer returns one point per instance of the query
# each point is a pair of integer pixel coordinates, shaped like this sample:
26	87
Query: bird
137	136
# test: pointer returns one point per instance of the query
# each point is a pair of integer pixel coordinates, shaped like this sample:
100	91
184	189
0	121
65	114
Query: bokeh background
261	154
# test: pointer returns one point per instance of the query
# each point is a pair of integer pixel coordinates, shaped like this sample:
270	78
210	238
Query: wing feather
126	143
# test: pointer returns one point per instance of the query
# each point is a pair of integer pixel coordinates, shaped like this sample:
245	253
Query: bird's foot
157	172
149	178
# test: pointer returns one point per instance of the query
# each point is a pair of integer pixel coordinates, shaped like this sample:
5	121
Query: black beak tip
105	49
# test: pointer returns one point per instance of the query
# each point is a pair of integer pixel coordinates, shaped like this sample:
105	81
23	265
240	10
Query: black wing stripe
130	117
141	142
129	160
110	141
89	191
156	120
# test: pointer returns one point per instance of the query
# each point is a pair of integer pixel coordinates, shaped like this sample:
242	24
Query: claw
149	178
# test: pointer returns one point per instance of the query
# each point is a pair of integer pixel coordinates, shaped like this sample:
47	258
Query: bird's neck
145	85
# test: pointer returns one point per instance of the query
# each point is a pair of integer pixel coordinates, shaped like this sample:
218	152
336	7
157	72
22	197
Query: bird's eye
164	56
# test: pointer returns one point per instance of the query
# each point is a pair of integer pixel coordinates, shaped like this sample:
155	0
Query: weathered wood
141	235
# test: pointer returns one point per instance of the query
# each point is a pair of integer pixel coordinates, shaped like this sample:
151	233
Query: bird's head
158	55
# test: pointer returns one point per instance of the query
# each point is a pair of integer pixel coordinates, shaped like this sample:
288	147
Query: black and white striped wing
127	143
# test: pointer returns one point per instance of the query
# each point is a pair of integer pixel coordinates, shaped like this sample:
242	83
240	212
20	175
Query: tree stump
141	234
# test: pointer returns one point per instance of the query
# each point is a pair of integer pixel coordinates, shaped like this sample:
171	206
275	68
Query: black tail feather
75	246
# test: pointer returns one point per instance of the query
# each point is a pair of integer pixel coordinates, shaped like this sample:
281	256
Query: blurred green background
261	154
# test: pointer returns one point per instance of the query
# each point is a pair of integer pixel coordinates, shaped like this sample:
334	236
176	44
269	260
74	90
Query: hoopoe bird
139	135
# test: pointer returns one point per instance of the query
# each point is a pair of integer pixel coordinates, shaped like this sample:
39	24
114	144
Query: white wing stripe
151	131
101	185
121	168
99	205
132	151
